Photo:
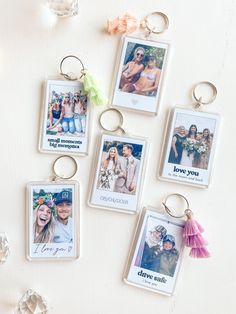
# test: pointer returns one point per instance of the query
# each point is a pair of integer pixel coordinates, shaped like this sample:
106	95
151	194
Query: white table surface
203	34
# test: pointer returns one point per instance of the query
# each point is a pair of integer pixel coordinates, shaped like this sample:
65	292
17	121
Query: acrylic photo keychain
66	114
118	175
156	255
190	141
142	63
53	214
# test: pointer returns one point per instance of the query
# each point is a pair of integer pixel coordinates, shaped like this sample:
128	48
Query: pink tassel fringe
192	227
199	253
196	241
193	238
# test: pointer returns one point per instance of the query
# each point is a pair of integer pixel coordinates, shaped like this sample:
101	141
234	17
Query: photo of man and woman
192	140
155	259
67	113
157	251
120	166
52	216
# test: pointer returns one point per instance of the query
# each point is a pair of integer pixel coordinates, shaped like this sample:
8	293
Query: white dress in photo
187	160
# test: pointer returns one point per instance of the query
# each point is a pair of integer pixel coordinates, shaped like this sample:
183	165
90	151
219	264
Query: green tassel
95	95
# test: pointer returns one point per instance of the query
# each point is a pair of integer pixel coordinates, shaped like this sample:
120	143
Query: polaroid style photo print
65	118
155	259
53	220
140	75
118	177
190	148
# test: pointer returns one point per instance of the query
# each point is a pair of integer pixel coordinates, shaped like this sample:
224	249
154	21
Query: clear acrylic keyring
171	211
117	126
204	100
70	75
71	167
146	23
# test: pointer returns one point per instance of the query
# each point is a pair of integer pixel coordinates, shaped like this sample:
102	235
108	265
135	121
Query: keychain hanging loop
118	126
57	175
199	99
152	29
68	76
187	211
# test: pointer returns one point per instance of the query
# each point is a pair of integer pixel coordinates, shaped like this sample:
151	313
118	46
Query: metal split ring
152	29
118	126
72	76
57	175
199	99
170	212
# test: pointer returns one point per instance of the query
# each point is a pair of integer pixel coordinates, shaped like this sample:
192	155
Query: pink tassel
193	238
199	253
192	227
195	241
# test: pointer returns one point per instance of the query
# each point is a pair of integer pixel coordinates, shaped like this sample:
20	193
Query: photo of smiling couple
120	166
52	222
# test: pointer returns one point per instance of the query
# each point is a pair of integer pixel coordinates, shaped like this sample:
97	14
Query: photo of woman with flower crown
52	216
52	220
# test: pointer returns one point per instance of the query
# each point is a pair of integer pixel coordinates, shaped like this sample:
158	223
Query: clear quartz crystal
63	8
4	248
31	303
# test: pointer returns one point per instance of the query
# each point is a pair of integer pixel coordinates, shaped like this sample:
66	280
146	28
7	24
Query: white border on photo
135	102
184	174
62	143
148	279
53	251
114	200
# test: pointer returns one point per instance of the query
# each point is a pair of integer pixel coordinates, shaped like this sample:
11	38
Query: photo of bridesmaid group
120	166
192	140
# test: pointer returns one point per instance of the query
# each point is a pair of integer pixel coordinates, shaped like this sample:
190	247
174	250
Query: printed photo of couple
52	216
120	166
157	251
67	113
192	140
141	69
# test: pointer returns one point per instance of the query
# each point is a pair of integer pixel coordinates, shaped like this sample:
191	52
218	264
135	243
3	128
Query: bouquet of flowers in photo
200	148
190	145
106	176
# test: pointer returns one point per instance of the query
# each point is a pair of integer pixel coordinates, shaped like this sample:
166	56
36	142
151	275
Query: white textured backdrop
203	34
